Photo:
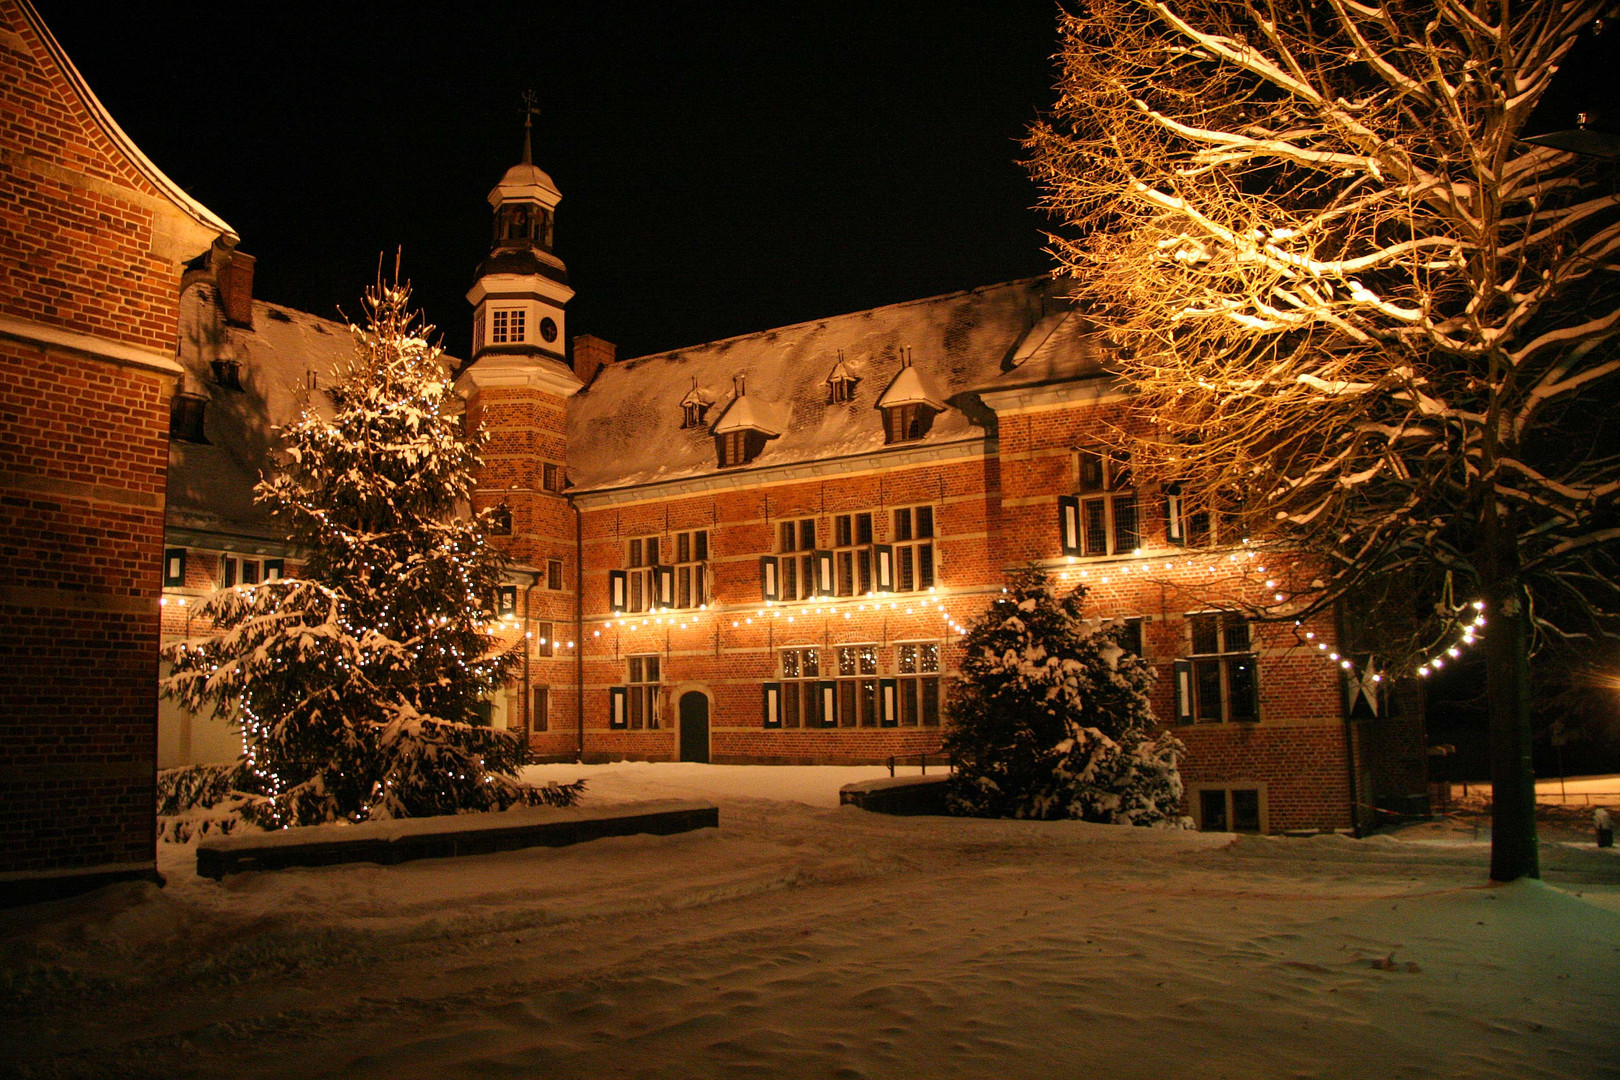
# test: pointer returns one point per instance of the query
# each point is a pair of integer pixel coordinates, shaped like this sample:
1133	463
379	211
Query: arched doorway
694	726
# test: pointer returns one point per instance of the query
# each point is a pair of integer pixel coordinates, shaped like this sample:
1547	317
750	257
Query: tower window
505	325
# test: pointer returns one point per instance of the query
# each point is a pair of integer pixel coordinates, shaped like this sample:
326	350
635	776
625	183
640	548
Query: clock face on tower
548	330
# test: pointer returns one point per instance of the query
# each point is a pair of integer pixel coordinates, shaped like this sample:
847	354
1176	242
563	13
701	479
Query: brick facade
92	238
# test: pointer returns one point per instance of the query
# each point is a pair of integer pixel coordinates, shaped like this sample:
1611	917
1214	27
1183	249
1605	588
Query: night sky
724	168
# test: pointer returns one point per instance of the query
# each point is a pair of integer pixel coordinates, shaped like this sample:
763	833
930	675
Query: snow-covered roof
211	485
1061	347
624	429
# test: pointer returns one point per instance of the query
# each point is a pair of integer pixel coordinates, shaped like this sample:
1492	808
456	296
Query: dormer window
840	383
228	373
902	423
909	405
739	447
694	406
741	432
506	325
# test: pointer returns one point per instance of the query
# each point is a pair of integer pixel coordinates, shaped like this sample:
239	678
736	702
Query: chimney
235	280
592	354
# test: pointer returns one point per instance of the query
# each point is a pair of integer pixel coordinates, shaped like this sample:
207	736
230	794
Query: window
227	373
552	477
506	325
840	389
1197	520
1229	810
500	521
857	686
738	447
692	413
919	684
691	568
642	692
554	574
174	568
240	570
797	567
540	709
803	704
914	549
1217	683
545	640
506	602
902	423
642	577
1130	635
852	554
186	418
1103	518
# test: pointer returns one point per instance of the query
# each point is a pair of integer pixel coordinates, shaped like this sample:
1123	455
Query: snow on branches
1051	719
1363	314
357	685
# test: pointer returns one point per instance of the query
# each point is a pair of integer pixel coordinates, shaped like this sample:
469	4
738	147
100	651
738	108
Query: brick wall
90	246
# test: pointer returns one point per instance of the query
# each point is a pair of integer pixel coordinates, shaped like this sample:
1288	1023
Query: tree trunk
1507	684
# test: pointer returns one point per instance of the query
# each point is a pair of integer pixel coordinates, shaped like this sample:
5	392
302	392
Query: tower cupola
522	292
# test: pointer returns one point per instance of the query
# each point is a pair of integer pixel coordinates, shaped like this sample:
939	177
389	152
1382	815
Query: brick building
93	244
754	550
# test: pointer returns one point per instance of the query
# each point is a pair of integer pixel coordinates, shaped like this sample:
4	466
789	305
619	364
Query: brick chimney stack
235	279
592	354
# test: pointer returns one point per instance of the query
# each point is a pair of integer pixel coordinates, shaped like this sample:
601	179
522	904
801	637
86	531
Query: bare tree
1369	321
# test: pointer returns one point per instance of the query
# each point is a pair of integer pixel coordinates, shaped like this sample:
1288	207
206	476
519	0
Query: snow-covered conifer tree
356	684
1051	718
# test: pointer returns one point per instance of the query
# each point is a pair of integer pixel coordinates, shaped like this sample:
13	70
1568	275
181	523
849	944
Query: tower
517	385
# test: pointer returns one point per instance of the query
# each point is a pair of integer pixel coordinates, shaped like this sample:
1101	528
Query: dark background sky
724	168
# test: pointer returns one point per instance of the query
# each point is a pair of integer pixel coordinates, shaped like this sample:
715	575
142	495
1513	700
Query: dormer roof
841	372
910	388
743	415
695	396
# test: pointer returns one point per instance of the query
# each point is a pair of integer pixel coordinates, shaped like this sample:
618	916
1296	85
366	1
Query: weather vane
530	109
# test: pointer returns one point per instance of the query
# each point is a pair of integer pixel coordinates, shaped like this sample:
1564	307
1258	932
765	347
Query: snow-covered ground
802	939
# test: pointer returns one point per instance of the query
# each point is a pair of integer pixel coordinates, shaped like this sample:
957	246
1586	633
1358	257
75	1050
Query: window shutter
883	567
770	587
1069	524
616	590
273	569
664	576
1183	691
618	710
828	692
889	702
1175	516
824	573
174	567
773	704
